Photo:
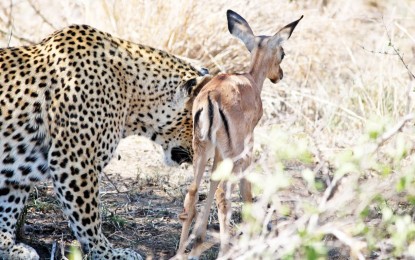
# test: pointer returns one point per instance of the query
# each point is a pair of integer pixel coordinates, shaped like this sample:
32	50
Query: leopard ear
193	86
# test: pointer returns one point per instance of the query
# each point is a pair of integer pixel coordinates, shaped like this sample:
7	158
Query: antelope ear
285	32
193	86
240	28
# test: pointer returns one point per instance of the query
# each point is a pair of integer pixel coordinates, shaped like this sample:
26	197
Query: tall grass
344	88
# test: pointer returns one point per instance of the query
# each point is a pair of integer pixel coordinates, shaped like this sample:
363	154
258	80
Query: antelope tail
210	118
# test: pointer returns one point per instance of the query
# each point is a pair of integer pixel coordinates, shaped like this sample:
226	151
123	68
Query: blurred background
340	66
344	108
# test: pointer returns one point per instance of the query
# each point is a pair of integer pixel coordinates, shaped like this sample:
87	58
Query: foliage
365	208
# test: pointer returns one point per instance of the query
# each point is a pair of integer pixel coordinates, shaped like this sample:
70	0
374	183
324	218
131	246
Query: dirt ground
141	199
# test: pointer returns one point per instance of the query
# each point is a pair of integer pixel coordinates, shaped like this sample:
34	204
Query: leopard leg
76	182
12	200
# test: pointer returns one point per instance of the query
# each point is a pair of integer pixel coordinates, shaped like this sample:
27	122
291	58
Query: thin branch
41	15
332	187
356	246
9	22
22	39
62	246
113	184
53	252
10	37
103	193
390	133
396	50
387	135
328	194
409	97
378	52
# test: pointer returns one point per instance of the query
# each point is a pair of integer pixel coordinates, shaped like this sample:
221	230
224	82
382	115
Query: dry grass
339	88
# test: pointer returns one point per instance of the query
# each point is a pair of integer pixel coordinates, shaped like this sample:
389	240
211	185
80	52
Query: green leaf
223	171
411	199
401	184
74	253
365	212
387	214
309	176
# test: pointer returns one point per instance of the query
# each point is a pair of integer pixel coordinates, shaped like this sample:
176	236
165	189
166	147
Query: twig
41	15
334	184
355	246
319	154
387	135
63	257
113	184
117	234
409	97
378	52
17	37
52	254
9	22
114	192
328	193
405	31
10	37
396	50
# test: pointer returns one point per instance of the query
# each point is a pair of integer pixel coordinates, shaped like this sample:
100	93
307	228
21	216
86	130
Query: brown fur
228	108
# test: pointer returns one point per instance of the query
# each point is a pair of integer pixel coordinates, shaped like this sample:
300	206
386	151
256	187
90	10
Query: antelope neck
260	64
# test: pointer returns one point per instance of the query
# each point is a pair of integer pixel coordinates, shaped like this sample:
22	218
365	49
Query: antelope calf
225	113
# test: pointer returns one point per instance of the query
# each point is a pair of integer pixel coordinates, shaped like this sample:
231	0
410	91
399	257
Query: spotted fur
65	103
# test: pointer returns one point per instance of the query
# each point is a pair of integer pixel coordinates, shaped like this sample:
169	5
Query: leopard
65	104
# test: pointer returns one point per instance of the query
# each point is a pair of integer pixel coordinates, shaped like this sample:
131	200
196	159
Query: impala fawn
225	113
